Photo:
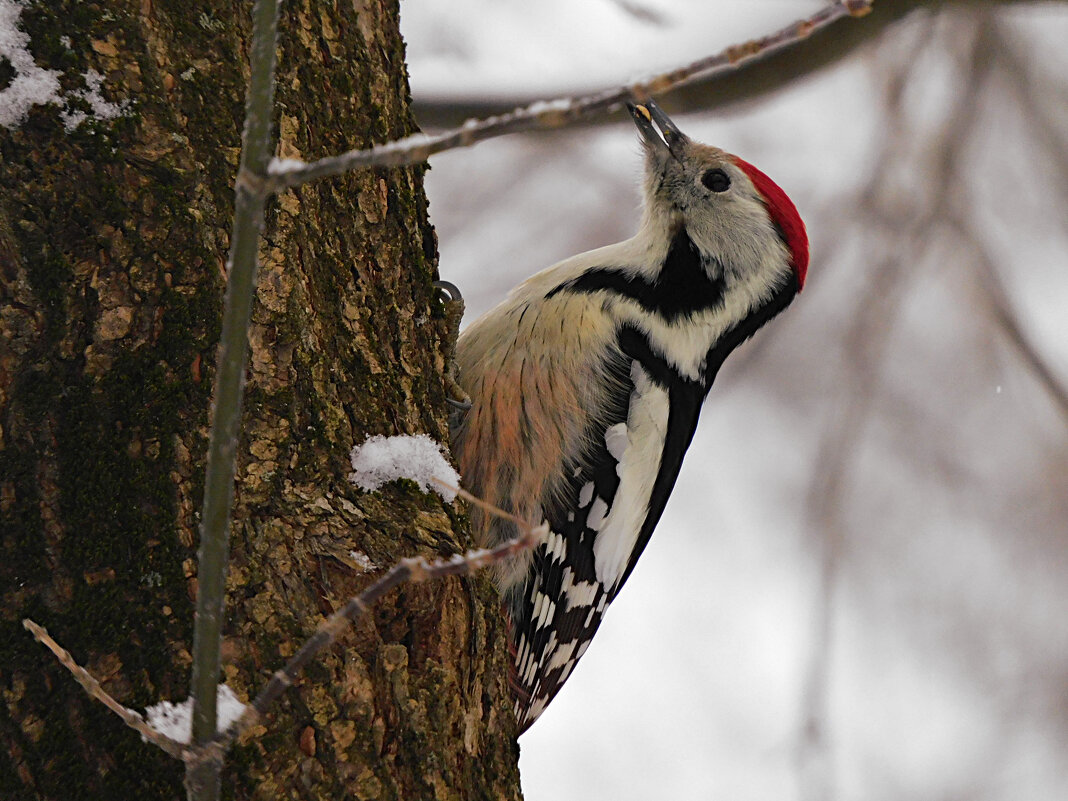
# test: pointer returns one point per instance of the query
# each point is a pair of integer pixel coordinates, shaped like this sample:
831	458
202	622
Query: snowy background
860	587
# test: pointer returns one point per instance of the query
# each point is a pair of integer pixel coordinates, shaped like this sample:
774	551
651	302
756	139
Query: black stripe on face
635	345
685	398
682	288
735	336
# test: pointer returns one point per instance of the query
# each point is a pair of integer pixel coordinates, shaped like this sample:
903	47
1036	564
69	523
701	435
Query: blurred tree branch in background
748	82
560	112
922	393
901	240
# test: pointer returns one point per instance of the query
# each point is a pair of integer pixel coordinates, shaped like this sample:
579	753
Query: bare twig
413	569
92	686
868	336
560	112
1005	53
867	342
753	81
1042	98
1006	318
1010	326
641	12
202	776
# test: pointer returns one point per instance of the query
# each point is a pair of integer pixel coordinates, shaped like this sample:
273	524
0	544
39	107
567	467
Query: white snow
35	86
101	109
31	85
282	166
538	107
417	457
176	720
362	559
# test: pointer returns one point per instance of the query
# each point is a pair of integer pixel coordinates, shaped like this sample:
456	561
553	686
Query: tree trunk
113	240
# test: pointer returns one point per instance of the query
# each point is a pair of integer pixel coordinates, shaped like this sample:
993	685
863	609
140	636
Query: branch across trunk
113	239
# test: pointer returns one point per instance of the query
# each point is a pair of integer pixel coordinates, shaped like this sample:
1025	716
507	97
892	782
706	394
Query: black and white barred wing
599	526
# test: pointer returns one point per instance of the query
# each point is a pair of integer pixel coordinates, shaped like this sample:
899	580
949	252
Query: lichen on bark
113	240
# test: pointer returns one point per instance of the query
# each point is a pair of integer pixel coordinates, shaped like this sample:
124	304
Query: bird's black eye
716	180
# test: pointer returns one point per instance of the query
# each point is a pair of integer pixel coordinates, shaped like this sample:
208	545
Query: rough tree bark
113	240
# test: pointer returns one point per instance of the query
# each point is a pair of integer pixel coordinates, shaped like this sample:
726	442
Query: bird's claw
454	312
449	290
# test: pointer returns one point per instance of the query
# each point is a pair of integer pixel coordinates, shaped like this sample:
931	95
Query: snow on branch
128	716
287	173
168	724
175	721
414	569
419	458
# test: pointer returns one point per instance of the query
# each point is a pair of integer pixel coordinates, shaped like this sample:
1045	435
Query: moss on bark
113	240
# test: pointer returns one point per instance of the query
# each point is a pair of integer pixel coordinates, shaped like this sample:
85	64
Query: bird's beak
656	127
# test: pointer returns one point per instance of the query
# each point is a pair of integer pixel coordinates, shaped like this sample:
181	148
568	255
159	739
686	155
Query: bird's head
732	212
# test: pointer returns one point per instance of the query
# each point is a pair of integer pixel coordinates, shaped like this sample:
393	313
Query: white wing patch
563	654
598	512
585	495
544	610
581	593
556	547
644	434
616	440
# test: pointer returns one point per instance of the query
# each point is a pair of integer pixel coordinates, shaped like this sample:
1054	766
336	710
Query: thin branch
866	344
199	757
1006	55
285	174
719	90
414	569
92	687
1042	98
1010	326
1006	318
202	777
641	12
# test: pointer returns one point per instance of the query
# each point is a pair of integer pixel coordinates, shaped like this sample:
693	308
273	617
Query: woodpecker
585	386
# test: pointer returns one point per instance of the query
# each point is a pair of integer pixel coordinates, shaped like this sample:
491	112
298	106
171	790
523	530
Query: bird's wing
600	522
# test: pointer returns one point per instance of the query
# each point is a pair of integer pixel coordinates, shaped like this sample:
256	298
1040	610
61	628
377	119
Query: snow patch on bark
418	457
32	85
